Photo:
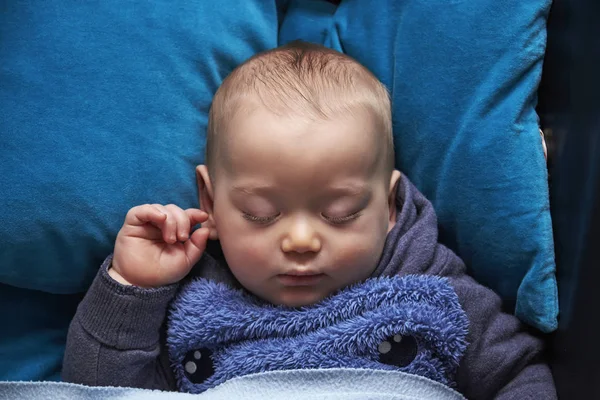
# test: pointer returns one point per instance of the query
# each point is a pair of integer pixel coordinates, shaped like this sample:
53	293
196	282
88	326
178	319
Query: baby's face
301	208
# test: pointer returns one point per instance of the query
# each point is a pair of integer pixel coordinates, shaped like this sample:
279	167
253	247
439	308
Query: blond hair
300	79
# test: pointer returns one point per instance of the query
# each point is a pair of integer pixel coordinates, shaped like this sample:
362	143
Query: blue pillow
34	329
463	77
103	106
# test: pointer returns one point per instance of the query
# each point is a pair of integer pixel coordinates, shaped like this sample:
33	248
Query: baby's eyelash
343	220
260	220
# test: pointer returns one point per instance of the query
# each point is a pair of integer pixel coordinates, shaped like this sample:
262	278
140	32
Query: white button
190	367
197	355
384	347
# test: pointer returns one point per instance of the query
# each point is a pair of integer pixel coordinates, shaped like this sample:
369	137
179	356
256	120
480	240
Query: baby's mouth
304	278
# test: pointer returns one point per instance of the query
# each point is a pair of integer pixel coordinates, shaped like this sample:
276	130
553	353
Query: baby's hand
154	247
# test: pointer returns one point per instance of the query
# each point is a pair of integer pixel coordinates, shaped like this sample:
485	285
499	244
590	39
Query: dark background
569	109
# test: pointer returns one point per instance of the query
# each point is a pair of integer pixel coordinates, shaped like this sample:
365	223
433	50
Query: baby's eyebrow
260	190
338	190
347	190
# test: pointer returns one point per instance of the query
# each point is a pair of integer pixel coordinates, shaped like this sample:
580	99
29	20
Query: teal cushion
463	77
34	328
104	106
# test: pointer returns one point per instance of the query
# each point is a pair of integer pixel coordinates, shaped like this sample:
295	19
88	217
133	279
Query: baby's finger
182	220
169	225
196	245
141	215
196	216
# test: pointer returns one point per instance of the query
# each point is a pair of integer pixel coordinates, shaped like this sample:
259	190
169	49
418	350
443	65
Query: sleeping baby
313	252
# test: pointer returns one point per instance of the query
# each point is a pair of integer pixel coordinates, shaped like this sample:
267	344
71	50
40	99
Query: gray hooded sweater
118	335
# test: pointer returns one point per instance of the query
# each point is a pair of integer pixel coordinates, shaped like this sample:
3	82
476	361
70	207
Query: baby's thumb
195	245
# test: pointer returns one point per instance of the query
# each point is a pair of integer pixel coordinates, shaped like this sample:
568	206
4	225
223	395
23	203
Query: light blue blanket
330	384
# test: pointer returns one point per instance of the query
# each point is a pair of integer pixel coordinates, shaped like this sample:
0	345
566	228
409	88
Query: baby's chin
296	297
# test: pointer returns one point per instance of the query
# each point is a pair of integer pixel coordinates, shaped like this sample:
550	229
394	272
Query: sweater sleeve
503	360
116	337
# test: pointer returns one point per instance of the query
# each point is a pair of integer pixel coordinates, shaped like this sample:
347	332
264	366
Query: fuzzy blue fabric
463	77
413	324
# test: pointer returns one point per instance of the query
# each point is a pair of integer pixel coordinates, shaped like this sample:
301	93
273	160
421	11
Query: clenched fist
155	248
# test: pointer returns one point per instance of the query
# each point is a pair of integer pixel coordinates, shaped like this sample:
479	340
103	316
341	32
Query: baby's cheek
357	258
247	251
255	252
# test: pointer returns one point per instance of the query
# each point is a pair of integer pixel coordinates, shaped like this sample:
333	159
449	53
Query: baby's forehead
255	125
261	143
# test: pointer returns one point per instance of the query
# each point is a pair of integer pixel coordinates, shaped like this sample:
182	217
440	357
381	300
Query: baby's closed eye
343	219
261	220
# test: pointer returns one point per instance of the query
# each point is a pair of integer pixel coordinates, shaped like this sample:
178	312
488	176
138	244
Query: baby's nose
301	237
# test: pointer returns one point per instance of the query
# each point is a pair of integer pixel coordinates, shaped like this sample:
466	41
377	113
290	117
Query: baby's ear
206	196
393	207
